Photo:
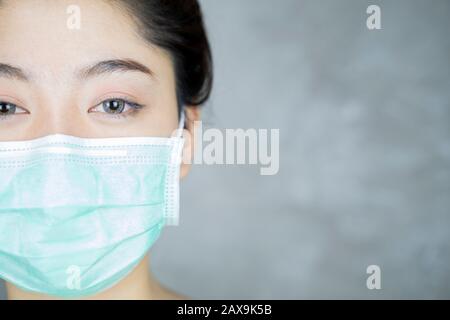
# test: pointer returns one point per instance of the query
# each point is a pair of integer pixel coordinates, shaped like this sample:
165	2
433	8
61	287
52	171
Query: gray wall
365	155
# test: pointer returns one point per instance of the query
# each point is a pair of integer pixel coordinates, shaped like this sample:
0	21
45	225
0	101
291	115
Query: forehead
43	35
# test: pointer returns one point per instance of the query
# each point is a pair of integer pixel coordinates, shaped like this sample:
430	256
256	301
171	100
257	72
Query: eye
117	106
8	109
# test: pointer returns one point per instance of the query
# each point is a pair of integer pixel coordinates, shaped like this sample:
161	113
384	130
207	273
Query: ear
193	114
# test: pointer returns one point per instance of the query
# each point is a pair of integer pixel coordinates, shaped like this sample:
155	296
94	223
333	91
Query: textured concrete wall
364	118
365	155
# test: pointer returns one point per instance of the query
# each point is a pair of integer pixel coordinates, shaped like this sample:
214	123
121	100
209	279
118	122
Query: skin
54	98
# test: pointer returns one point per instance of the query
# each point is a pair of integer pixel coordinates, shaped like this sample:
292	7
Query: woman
115	76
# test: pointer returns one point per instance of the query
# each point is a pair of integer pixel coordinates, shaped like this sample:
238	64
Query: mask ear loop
177	159
177	156
181	124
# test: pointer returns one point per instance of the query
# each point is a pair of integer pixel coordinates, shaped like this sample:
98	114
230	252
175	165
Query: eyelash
135	108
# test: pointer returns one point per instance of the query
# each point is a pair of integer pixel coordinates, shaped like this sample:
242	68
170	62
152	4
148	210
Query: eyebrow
110	66
97	69
10	72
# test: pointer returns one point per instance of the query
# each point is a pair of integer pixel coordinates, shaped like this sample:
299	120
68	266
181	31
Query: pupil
114	106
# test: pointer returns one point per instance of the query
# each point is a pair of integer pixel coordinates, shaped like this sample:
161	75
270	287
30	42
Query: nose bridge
57	112
59	115
61	120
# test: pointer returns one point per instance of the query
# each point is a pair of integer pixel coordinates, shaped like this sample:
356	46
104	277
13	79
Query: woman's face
101	80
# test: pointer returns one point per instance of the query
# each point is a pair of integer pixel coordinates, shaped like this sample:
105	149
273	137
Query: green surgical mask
77	215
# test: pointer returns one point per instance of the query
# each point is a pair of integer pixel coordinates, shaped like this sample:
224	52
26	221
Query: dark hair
177	26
